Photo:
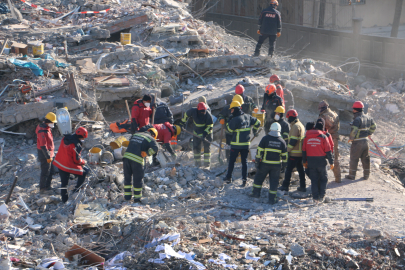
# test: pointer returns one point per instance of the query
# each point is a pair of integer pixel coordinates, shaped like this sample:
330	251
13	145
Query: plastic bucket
107	157
118	153
38	50
125	144
125	38
94	155
118	142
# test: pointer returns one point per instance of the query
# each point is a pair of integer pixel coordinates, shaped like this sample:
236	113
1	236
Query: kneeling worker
165	133
141	145
271	157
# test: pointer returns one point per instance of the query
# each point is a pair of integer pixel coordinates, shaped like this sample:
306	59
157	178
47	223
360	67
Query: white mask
82	141
147	104
277	117
51	125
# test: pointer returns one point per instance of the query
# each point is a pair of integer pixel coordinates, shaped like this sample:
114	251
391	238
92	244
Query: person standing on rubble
141	145
270	102
248	104
224	116
279	118
140	113
294	148
69	161
315	151
46	150
270	159
270	27
363	126
203	99
203	126
165	133
163	113
332	126
240	126
274	79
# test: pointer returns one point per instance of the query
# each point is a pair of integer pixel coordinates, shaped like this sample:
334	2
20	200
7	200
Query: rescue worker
224	116
270	102
315	151
46	150
288	97
294	148
332	126
203	126
271	157
203	99
240	126
165	133
140	113
163	113
68	160
274	79
270	27
363	126
141	145
248	104
279	118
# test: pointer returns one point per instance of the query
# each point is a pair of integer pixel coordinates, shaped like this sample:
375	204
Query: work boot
137	200
197	163
273	199
338	180
256	54
350	177
255	192
302	189
227	179
46	191
282	188
365	177
243	183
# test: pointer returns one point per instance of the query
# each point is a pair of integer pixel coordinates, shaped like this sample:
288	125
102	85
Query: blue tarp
35	68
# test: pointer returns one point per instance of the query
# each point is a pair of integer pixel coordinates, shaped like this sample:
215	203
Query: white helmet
275	130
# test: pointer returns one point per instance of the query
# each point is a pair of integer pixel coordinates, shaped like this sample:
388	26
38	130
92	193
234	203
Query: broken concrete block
393	108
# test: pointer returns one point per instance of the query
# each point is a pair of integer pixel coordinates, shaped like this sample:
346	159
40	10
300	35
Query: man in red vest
140	113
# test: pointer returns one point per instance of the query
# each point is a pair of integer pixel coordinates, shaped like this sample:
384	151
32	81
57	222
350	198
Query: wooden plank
84	47
127	24
4	45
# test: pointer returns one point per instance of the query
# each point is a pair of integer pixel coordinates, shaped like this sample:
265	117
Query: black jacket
362	127
203	124
163	114
248	105
240	127
272	150
270	103
226	115
285	129
141	142
270	21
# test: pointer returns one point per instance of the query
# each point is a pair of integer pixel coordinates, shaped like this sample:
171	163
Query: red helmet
270	89
81	131
292	113
202	106
358	105
239	89
274	78
274	2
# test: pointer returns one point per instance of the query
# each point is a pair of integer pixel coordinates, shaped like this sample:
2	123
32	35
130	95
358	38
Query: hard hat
274	2
51	117
239	89
323	104
81	131
235	104
358	105
274	78
178	129
292	113
280	109
202	106
275	127
270	89
153	132
238	98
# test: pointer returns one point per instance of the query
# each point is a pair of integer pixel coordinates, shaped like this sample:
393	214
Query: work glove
278	34
349	141
283	167
305	165
222	121
332	166
257	163
144	154
255	110
258	31
255	134
204	134
49	160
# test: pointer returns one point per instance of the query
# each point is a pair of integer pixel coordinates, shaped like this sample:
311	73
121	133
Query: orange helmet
270	89
274	2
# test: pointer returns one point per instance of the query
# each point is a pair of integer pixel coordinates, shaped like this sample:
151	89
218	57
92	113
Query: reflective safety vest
141	142
202	123
295	139
272	150
240	127
362	127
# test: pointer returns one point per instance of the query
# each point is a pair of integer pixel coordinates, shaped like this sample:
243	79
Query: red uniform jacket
165	132
68	157
280	91
140	115
316	149
330	140
45	138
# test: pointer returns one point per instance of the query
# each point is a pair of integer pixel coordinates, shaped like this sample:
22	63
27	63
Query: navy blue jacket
270	21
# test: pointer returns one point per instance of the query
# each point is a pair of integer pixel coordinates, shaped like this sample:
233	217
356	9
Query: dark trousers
46	171
262	39
319	180
133	175
232	159
197	150
268	169
359	150
64	178
294	162
228	138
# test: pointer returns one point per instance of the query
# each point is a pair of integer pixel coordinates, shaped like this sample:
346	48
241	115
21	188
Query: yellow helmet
238	98
51	117
280	109
235	104
178	130
154	131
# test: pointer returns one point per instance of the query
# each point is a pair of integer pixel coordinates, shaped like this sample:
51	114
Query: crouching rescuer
141	145
271	157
